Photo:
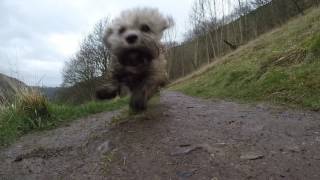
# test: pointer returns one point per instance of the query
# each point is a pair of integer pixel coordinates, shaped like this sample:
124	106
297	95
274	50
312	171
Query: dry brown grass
33	104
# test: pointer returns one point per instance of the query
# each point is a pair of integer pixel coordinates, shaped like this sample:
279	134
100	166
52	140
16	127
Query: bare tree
170	38
92	60
259	3
300	10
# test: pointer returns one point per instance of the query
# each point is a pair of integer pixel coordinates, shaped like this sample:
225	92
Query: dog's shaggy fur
138	62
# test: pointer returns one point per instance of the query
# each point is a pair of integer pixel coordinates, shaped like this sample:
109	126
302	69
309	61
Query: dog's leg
142	93
109	90
112	87
138	101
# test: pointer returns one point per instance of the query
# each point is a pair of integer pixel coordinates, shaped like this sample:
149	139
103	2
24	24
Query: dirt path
182	138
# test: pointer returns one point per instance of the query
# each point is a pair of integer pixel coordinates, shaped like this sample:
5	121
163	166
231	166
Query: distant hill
9	86
50	92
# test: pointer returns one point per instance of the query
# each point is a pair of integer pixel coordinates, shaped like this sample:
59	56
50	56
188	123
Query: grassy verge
281	67
32	112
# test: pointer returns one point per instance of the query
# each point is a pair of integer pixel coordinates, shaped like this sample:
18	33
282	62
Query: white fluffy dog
138	63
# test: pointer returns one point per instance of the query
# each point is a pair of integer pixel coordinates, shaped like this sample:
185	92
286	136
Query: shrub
33	106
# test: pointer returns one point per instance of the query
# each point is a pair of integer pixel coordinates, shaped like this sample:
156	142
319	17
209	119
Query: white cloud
38	36
65	44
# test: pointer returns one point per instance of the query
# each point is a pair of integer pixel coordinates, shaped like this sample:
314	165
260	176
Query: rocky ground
180	138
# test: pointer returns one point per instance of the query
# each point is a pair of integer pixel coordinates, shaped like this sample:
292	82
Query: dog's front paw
107	92
138	103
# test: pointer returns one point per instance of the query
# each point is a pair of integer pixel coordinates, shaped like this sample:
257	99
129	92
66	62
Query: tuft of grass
285	71
109	158
63	112
33	112
33	106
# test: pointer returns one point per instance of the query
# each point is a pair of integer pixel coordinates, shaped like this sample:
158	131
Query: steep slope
9	86
282	66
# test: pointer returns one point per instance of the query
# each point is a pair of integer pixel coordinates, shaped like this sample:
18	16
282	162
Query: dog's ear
107	33
169	22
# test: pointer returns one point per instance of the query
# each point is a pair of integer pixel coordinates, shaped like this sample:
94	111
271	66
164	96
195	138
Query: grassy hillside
281	67
9	87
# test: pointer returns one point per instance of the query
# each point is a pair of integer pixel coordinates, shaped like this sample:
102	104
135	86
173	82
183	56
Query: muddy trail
181	138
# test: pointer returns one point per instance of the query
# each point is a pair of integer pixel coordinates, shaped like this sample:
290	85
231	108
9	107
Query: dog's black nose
132	38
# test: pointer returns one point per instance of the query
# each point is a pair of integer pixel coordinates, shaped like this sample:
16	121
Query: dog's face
134	37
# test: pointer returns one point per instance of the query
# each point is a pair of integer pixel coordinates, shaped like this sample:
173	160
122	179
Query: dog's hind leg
109	90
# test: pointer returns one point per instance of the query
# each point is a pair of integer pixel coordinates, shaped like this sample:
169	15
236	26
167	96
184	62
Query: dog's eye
122	30
145	28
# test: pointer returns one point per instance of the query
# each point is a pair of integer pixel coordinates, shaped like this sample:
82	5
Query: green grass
64	112
281	67
16	120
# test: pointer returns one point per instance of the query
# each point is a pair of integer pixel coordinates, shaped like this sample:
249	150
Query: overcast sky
38	36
